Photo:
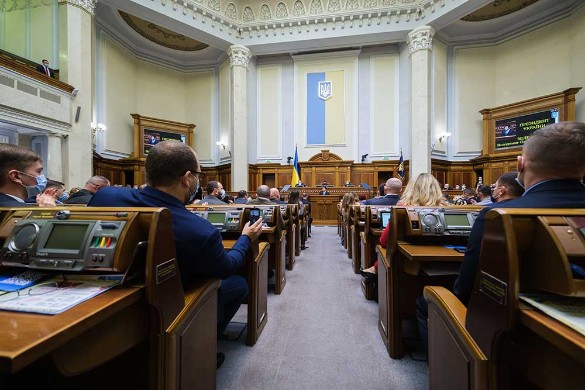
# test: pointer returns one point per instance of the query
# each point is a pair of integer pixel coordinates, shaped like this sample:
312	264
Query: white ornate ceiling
291	26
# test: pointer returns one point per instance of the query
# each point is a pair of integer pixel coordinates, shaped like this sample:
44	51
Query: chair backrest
522	248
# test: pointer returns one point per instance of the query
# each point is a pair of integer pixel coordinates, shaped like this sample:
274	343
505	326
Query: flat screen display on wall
512	132
153	137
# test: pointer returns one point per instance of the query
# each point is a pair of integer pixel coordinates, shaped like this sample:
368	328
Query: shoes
309	235
304	247
220	359
368	275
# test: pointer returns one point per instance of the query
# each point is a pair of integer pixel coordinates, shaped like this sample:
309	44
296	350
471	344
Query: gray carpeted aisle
321	333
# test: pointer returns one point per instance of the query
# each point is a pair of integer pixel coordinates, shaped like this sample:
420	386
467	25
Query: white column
420	43
76	60
239	58
54	163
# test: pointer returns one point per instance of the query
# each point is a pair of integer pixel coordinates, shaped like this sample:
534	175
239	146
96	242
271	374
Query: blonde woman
425	190
348	200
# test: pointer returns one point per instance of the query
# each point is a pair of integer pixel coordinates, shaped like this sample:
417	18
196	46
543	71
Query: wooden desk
256	273
545	352
277	255
26	337
324	209
400	282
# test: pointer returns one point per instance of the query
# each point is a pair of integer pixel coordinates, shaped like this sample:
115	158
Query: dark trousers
231	294
422	317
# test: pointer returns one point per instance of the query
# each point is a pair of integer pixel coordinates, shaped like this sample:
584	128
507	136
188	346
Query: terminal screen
456	220
385	217
66	236
216	218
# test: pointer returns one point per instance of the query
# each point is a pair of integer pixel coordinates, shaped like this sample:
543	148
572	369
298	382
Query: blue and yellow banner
325	108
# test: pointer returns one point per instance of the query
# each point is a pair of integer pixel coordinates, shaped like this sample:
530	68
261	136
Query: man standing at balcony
44	68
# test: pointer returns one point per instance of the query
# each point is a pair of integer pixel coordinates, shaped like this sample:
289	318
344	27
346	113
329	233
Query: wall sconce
289	159
364	156
98	126
443	137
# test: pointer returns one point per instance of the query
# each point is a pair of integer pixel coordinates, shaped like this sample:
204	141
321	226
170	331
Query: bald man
392	190
262	196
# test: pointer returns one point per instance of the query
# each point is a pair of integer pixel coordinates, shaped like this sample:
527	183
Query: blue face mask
63	197
39	187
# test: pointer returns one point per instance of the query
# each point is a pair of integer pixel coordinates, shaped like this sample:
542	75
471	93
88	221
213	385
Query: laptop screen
384	217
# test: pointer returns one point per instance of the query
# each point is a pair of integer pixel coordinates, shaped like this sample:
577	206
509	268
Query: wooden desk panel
429	252
324	209
400	282
26	337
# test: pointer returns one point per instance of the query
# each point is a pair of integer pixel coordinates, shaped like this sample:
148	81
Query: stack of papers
53	295
570	311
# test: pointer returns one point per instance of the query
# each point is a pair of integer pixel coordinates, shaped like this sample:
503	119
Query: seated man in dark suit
262	196
172	174
215	194
392	190
44	68
84	195
242	197
324	190
551	169
21	177
275	196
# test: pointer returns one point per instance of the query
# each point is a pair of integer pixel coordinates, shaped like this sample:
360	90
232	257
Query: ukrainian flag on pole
296	174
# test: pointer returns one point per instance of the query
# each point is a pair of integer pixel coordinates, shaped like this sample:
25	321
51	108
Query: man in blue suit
391	196
551	169
172	174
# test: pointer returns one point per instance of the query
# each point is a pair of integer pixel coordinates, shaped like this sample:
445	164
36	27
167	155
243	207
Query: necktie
47	71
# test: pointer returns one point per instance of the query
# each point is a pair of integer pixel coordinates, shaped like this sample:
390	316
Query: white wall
545	61
134	86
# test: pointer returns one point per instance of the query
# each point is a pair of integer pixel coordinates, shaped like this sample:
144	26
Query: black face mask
192	195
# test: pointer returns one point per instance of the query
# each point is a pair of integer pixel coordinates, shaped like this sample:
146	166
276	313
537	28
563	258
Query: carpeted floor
321	333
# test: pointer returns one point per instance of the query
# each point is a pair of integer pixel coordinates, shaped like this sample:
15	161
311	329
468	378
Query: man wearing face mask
172	175
551	169
215	193
44	68
21	177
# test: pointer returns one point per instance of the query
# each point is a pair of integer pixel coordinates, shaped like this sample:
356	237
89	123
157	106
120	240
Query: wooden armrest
453	312
195	290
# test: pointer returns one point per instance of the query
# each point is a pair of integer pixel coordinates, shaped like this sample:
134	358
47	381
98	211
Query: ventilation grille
50	96
26	88
8	81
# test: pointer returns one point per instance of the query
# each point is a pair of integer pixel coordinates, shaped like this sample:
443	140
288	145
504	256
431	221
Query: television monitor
385	218
512	132
153	137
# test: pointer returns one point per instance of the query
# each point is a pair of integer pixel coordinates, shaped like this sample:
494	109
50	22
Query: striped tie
47	70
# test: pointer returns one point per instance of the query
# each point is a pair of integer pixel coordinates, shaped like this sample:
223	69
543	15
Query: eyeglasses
37	289
200	175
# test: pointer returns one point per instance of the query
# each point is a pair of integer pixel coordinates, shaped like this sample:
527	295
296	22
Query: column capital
421	38
239	55
87	5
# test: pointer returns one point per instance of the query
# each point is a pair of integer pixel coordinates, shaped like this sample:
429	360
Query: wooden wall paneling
284	179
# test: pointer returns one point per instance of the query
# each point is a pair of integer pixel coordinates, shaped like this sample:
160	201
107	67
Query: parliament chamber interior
292	194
